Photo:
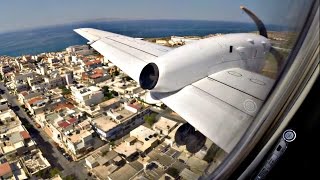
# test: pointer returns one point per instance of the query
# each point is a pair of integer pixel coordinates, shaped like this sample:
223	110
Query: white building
79	141
87	96
164	126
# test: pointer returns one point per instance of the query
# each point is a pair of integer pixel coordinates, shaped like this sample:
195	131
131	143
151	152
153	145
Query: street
46	145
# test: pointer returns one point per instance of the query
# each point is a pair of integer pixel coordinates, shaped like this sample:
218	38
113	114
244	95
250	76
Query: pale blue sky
21	14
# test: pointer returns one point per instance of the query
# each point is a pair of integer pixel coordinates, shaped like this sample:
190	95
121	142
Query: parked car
38	125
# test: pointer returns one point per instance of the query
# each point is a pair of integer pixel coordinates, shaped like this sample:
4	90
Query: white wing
127	53
222	105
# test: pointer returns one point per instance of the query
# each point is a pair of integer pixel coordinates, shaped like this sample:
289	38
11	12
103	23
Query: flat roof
104	123
188	174
124	113
164	123
142	133
35	160
109	102
15	137
197	165
104	171
77	137
106	158
161	158
124	173
128	150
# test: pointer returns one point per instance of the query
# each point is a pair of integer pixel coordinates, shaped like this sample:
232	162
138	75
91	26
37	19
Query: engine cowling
190	63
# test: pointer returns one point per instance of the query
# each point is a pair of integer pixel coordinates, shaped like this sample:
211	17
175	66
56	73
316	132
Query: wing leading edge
127	53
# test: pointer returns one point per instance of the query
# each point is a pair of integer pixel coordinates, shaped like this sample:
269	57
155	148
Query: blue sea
56	38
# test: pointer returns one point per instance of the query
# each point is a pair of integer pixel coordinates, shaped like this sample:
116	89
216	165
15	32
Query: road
46	145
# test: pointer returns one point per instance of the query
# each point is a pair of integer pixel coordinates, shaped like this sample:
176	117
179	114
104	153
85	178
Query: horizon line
116	19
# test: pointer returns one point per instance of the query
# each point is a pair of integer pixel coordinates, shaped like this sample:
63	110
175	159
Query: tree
105	89
70	177
115	93
111	143
107	93
116	73
54	172
150	119
65	90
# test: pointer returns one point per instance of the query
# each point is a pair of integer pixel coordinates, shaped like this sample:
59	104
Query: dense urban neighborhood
74	115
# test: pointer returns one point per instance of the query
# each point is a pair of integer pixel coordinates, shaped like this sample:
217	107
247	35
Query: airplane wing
222	105
127	53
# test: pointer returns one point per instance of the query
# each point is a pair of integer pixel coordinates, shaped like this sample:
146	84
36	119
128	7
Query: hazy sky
21	14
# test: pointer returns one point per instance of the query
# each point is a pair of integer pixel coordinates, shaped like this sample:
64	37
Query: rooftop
128	150
5	169
63	105
94	76
127	171
66	123
103	171
124	113
188	174
35	162
107	157
89	63
8	120
25	135
165	124
143	133
104	123
15	137
76	137
197	165
109	102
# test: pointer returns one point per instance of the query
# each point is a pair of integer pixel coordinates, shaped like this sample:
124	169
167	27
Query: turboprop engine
190	63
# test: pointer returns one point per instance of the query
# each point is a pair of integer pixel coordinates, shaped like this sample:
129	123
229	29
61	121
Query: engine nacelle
190	63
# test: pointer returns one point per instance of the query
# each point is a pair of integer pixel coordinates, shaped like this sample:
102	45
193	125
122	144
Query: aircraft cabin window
148	93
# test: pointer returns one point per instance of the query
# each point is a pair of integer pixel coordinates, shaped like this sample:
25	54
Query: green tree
65	90
111	143
105	89
150	119
107	93
54	172
70	177
114	93
43	174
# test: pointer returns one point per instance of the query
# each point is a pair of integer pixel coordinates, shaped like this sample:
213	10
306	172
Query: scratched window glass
139	90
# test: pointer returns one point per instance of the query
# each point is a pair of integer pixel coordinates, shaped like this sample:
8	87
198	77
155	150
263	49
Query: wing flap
246	81
217	109
217	120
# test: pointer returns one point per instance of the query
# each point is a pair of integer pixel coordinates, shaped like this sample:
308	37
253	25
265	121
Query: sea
59	37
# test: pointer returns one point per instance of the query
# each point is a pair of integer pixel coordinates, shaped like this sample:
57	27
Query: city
148	90
74	115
